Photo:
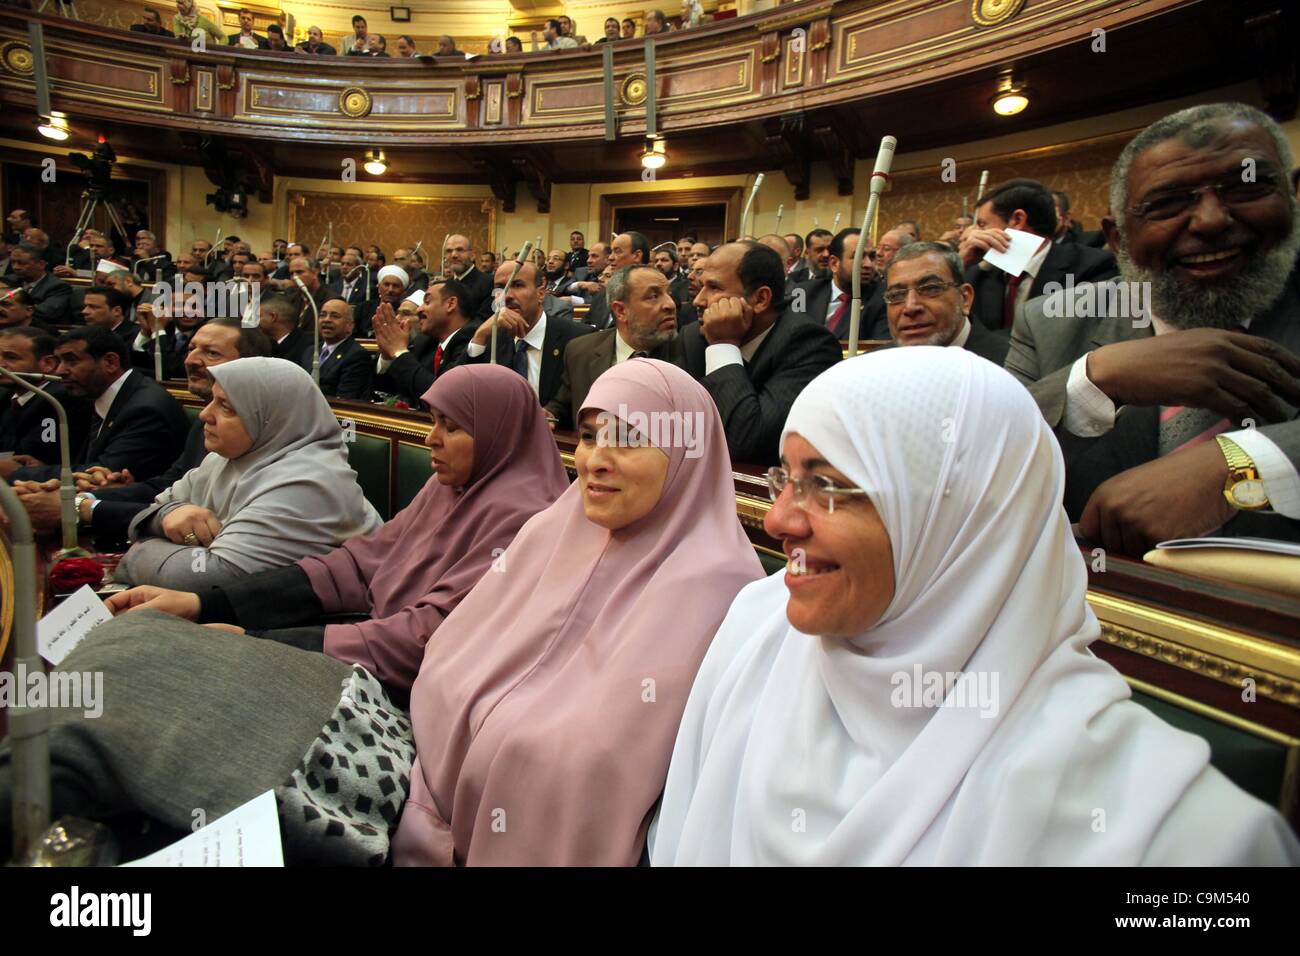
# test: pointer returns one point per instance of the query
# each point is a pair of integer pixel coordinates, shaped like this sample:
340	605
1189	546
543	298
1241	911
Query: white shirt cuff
723	354
1089	412
141	342
1281	480
382	365
474	350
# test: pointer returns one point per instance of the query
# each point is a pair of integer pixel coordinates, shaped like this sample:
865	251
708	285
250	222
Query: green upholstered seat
413	470
369	458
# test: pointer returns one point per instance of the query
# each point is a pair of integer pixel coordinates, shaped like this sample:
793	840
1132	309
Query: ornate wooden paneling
266	99
391	222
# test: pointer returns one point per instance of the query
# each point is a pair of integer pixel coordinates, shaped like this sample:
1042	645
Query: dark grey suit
1043	350
585	359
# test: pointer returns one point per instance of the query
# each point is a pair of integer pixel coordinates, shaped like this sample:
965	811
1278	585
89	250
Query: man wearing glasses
1027	206
1177	416
928	301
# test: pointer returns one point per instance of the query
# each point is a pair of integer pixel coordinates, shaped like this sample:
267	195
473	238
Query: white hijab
293	492
792	750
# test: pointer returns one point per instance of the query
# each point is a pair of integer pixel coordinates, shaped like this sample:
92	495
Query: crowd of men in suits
1142	398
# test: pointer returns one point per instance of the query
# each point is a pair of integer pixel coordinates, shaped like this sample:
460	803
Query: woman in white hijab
275	487
920	509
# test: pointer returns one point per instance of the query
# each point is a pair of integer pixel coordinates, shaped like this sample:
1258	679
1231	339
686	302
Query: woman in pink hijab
545	713
495	466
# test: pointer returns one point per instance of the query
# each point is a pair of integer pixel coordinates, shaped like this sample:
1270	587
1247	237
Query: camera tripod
91	200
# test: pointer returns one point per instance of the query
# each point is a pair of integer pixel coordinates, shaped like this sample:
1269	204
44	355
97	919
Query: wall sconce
376	164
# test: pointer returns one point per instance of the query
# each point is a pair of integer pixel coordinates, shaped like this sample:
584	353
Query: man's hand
43	507
976	242
144	318
1179	495
180	603
727	321
9	465
64	271
507	319
389	334
178	525
232	628
1238	376
97	476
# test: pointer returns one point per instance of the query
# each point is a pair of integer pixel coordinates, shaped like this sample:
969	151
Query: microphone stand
880	176
315	331
135	268
367	268
67	487
749	204
28	726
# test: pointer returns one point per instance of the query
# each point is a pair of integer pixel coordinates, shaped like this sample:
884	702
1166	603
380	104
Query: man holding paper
1009	256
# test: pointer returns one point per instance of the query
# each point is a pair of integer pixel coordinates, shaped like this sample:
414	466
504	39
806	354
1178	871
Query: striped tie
1182	427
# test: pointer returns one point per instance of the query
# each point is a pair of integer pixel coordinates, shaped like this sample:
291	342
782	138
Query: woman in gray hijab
275	487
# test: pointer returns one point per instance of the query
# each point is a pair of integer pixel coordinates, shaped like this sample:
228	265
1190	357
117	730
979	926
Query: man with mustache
346	369
1177	417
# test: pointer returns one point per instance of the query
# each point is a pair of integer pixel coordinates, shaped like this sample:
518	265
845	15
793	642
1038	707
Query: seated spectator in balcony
151	23
274	487
246	38
1026	205
629	28
51	297
611	31
555	40
753	359
1171	389
514	45
927	301
447	46
393	286
25	419
569	29
16	308
406	47
692	14
275	39
279	316
359	43
378	46
188	21
150	263
655	23
346	369
136	424
409	365
314	44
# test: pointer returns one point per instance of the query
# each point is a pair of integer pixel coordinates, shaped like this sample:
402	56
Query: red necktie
437	360
1009	307
834	323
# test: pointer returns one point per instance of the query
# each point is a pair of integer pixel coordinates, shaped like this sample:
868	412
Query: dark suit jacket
598	314
1043	349
52	298
411	373
173	356
680	290
559	332
356	298
479	285
23	429
162	269
987	345
110	518
585	359
144	431
262	42
323	49
349	372
873	324
1083	262
296	347
755	398
160	32
800	273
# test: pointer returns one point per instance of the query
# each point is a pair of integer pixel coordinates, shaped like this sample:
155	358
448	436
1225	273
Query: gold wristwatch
1244	488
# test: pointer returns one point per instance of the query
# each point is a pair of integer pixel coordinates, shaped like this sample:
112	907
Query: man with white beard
1179	419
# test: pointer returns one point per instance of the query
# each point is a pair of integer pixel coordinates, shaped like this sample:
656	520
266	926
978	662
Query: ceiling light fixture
376	165
54	127
654	156
1011	98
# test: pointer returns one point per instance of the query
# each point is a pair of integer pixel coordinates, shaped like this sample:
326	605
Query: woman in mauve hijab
917	688
545	712
193	718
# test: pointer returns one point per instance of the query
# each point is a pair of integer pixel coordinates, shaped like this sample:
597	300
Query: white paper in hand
1019	252
248	835
59	631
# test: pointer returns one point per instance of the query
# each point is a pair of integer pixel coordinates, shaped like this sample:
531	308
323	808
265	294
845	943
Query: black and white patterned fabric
341	805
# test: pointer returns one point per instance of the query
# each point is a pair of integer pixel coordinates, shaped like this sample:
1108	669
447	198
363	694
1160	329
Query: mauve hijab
413	571
545	713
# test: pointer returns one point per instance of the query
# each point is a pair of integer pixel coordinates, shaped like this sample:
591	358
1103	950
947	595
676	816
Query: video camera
97	168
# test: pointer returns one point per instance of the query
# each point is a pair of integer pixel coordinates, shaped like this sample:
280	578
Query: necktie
324	353
834	323
437	360
520	361
1009	306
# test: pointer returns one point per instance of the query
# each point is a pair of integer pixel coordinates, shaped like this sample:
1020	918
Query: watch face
1249	494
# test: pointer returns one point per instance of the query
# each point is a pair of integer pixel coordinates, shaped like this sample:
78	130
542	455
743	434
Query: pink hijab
411	573
545	714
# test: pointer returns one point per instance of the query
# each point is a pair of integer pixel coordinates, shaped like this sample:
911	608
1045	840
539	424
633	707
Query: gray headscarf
293	492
